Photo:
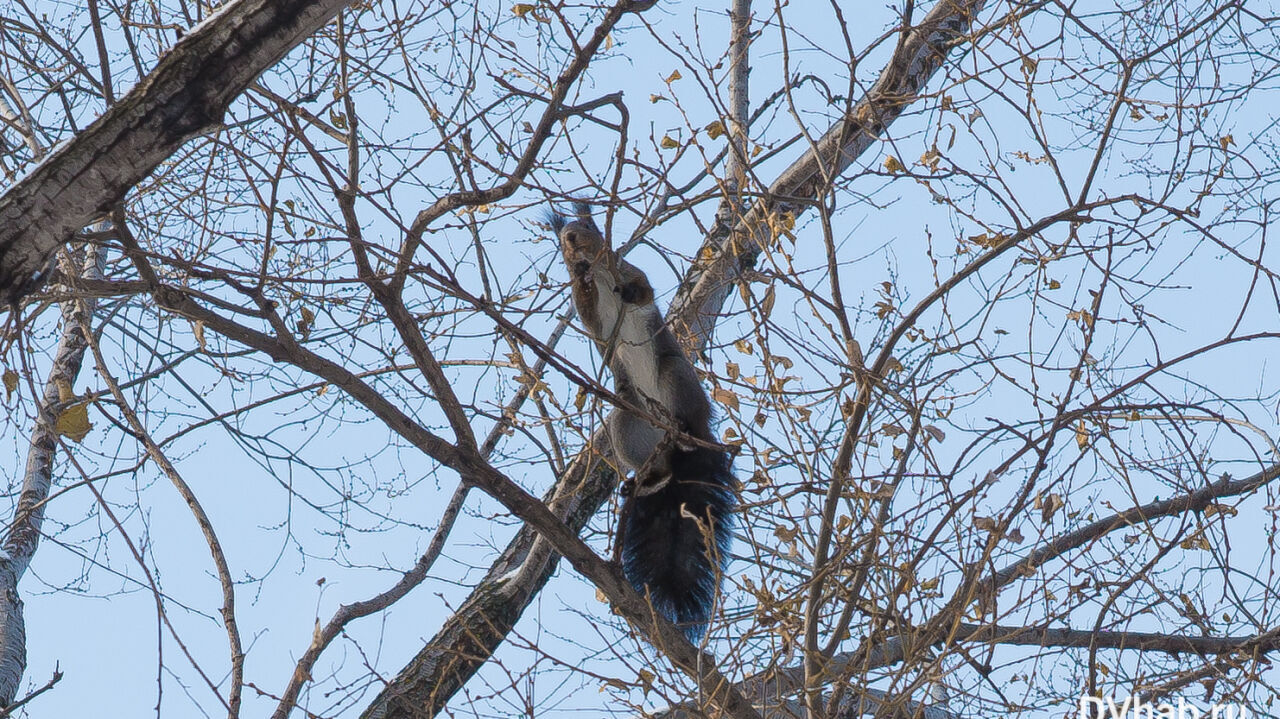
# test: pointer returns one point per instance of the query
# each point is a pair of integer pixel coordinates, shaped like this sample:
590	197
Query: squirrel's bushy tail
665	550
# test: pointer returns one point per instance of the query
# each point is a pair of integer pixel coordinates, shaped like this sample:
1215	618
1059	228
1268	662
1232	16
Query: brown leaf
725	397
1048	505
715	129
766	305
667	143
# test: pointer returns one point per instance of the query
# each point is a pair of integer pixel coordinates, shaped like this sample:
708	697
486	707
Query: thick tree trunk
186	94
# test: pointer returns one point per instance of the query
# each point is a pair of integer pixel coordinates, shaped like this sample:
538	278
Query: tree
963	280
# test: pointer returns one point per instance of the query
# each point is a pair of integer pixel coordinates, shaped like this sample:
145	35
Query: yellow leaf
743	346
522	9
73	422
1196	541
1054	284
931	158
1082	435
304	325
675	75
1225	510
668	143
715	129
892	164
1226	140
10	383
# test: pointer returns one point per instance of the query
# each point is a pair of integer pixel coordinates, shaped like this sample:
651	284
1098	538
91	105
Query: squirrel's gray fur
683	492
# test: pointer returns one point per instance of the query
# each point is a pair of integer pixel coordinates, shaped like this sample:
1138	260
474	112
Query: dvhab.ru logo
1136	708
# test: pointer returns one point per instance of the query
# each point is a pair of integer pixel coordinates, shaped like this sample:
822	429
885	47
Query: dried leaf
667	143
715	129
1195	541
1082	435
934	432
522	9
73	422
304	325
1049	505
197	328
766	305
1225	510
675	75
892	164
10	383
725	397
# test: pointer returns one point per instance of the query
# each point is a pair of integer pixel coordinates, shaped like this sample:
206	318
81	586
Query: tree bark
186	94
24	532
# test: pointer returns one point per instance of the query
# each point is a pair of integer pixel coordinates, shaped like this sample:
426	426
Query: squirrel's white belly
632	343
641	365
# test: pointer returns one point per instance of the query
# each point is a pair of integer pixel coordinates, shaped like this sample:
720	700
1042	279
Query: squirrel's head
579	236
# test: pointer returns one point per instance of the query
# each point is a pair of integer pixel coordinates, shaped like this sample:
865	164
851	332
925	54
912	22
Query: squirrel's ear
555	220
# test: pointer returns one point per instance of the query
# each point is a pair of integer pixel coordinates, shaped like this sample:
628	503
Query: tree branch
185	95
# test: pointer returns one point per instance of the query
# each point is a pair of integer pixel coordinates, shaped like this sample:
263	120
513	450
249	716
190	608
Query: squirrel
682	493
